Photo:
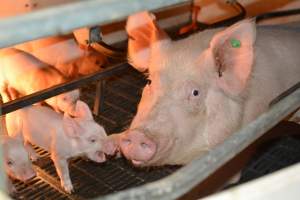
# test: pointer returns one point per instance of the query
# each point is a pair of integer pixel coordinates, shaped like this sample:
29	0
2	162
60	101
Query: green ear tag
235	43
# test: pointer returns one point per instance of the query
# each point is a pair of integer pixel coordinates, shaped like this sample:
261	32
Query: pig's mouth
24	178
97	156
137	162
162	152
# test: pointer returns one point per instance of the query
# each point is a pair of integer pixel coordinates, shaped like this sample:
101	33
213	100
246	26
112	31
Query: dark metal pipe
59	89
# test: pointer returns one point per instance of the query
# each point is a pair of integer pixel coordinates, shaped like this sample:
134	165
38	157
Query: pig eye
195	93
149	81
92	140
9	162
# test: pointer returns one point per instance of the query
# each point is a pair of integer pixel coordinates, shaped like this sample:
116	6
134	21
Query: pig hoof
68	188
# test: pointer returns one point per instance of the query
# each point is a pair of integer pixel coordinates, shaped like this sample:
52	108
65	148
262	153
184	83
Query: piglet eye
195	92
92	140
9	162
149	81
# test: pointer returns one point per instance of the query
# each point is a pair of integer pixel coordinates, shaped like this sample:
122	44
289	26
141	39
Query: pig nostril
144	145
127	141
99	153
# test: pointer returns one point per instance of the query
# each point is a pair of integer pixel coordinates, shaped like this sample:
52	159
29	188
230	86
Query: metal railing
64	19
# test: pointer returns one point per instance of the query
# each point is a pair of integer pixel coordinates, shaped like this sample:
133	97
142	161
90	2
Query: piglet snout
137	147
99	157
110	146
28	174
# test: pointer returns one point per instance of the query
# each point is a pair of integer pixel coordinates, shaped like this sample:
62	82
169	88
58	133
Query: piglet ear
71	127
143	33
83	111
233	56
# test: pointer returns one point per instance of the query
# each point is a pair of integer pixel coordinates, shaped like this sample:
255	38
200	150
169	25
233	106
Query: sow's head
195	90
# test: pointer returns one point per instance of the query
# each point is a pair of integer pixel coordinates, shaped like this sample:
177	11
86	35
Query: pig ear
143	33
233	56
83	111
70	126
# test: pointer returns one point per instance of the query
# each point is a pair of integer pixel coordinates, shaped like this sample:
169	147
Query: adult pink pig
205	87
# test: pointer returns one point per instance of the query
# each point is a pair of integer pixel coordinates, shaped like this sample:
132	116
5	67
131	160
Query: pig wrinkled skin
65	55
25	74
205	87
64	137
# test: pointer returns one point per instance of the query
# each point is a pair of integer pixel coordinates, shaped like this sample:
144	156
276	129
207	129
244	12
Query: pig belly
40	124
16	66
53	50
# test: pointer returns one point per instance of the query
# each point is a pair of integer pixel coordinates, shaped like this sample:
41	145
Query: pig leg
14	94
62	169
4	94
31	151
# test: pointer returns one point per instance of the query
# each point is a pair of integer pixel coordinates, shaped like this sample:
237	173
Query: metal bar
63	19
198	170
283	184
99	98
58	89
277	14
284	94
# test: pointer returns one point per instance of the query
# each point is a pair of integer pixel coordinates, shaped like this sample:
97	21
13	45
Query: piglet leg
62	170
31	151
4	94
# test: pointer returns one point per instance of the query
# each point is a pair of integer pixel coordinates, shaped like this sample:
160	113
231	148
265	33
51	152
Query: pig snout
137	147
97	156
23	174
28	174
110	146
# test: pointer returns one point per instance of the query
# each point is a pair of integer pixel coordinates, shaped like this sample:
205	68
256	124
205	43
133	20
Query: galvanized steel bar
192	174
63	19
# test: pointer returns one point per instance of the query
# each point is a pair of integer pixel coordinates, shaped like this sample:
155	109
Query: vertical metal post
99	98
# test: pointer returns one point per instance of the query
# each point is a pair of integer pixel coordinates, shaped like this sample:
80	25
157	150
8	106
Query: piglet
26	74
64	137
65	55
17	164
